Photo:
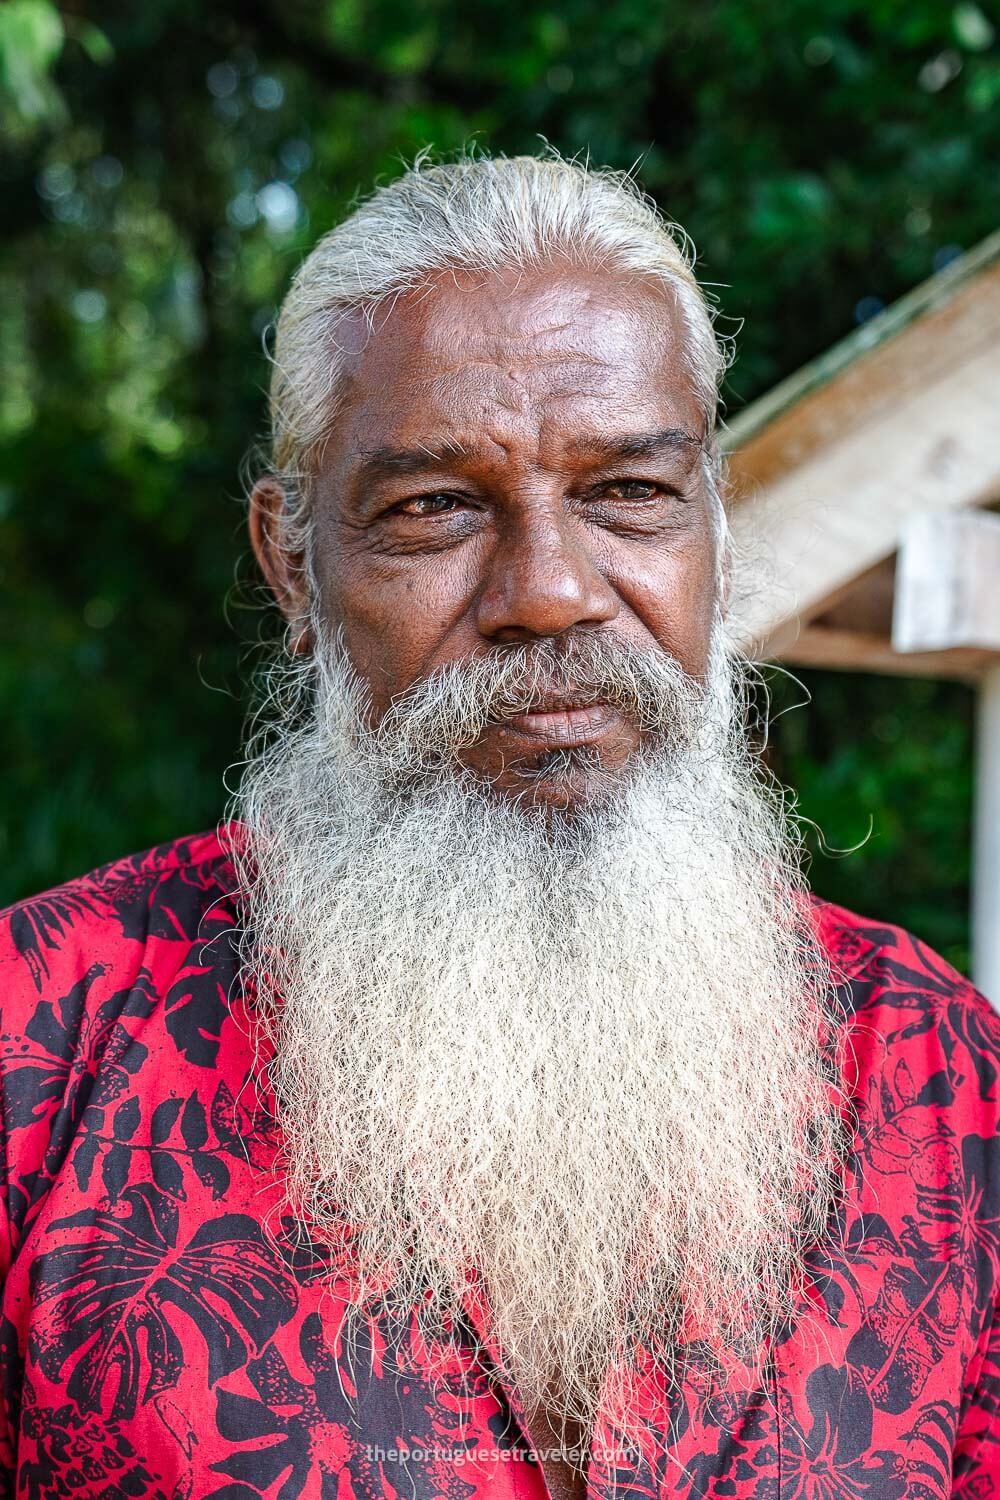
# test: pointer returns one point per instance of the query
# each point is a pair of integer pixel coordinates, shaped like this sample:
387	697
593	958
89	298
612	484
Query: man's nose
543	580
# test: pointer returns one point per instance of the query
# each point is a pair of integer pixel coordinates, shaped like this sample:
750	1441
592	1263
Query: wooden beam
843	510
855	651
948	600
833	476
870	365
948	583
866	606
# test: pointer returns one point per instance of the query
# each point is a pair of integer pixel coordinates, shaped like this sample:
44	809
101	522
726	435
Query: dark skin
518	457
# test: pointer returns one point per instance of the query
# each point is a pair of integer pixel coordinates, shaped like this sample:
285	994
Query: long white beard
582	1061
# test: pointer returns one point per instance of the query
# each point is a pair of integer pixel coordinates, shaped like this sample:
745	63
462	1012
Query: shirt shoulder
114	916
85	970
883	963
917	1027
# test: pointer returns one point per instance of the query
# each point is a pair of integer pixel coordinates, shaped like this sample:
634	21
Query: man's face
518	458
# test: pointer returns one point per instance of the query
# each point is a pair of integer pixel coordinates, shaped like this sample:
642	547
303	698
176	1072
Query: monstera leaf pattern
169	1332
107	1300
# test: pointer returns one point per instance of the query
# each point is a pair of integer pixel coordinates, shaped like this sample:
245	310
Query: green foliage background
163	168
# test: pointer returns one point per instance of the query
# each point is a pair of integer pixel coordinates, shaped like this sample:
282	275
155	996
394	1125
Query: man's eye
632	489
429	505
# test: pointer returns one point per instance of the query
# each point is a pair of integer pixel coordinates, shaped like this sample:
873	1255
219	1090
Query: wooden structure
863	532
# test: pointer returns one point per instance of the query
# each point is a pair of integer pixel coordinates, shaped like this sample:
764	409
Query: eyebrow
409	460
396	461
637	444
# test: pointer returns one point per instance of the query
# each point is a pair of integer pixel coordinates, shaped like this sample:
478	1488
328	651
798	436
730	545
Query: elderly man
487	1109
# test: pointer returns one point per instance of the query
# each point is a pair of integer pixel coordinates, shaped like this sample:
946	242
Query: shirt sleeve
976	1461
42	1017
976	1468
22	1150
52	961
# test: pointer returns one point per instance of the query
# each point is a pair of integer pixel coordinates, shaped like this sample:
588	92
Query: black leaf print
126	1120
151	900
223	1114
39	1075
115	1170
103	1319
167	1173
38	926
194	1125
84	1159
163	1121
212	1172
196	1006
835	1457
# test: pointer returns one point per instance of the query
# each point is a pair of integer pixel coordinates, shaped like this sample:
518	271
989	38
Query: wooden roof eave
901	417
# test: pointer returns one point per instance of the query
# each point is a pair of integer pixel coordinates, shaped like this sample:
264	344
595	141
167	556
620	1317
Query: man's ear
284	571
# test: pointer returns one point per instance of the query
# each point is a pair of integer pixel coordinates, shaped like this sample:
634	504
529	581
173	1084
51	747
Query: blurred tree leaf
31	39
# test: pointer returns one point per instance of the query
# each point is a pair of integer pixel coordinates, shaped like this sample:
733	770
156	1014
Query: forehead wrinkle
491	337
487	388
555	357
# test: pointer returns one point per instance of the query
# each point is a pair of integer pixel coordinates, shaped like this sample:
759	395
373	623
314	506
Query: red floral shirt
164	1335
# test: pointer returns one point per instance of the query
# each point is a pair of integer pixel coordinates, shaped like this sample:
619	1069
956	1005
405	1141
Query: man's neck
551	1439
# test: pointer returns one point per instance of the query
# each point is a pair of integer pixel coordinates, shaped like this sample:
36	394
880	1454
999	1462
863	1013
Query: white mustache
450	710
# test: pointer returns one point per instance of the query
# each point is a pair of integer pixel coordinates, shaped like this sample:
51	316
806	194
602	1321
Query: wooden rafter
902	417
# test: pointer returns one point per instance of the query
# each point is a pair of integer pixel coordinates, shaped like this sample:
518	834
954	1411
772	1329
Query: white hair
584	1062
479	214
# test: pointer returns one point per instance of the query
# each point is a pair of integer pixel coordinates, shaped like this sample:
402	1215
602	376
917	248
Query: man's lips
560	725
